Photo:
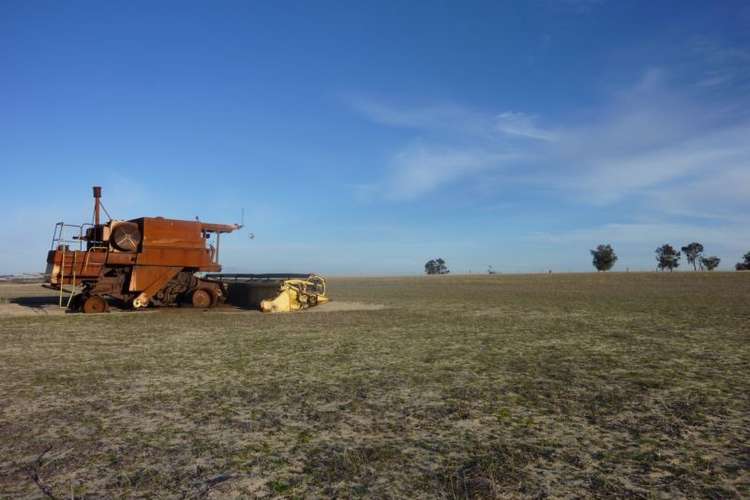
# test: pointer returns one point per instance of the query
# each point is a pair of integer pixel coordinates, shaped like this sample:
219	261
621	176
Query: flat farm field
562	385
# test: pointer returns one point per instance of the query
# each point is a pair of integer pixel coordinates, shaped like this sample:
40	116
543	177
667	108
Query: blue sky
367	138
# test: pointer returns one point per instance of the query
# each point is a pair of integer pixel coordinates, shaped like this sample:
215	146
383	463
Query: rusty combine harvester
157	261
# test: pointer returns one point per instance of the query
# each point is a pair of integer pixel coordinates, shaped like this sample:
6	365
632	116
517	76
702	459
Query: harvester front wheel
94	304
202	298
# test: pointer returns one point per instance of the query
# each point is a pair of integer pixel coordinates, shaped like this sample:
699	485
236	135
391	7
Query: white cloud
613	175
723	65
722	195
421	168
462	144
437	117
651	144
521	124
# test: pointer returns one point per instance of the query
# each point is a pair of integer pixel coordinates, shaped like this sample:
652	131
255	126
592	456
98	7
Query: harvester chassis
184	288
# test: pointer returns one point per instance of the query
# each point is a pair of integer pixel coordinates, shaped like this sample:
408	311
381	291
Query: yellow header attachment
297	294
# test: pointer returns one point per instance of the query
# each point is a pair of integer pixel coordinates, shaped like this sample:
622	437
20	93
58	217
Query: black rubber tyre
202	298
94	304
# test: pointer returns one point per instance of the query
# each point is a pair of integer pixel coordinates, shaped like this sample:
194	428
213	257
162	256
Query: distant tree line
604	258
668	258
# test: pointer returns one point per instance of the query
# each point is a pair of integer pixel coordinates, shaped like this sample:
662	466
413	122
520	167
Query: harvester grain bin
152	261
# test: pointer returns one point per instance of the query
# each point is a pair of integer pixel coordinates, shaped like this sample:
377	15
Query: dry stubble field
461	387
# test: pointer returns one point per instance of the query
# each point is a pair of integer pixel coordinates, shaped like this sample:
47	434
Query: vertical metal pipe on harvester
62	275
218	238
97	204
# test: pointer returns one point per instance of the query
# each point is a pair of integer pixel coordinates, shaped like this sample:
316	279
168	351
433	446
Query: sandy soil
28	300
337	305
21	310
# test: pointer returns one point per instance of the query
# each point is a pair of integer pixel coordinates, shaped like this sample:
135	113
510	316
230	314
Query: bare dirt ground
591	385
27	300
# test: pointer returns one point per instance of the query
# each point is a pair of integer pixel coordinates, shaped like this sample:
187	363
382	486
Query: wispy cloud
422	168
672	162
651	142
723	195
522	125
460	143
611	175
723	65
442	117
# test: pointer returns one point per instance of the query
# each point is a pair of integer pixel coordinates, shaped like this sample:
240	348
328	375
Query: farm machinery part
273	292
138	262
151	261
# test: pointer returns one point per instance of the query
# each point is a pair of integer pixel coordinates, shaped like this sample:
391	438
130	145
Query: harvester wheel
94	304
202	298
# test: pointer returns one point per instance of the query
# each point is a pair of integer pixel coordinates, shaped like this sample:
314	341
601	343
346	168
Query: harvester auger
156	261
138	262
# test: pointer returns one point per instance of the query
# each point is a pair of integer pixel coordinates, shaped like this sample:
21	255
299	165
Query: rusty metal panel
121	258
65	264
158	232
175	256
144	276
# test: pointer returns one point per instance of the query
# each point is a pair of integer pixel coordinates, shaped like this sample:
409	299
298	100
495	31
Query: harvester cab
142	262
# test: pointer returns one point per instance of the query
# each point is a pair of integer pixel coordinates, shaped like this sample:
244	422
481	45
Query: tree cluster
667	257
604	257
745	264
436	266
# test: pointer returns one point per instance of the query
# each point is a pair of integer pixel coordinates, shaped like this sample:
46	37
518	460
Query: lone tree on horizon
667	257
710	263
436	266
693	254
745	265
604	257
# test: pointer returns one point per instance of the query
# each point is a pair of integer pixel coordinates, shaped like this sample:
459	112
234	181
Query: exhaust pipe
97	196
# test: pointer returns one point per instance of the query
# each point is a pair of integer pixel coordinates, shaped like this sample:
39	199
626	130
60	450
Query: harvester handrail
73	290
89	251
58	238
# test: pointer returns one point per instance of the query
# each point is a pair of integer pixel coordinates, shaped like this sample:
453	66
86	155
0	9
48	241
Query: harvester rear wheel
94	304
202	298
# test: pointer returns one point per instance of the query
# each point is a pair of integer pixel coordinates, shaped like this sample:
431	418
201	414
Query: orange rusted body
145	261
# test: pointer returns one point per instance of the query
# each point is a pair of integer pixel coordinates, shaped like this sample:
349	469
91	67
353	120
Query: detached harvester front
139	262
